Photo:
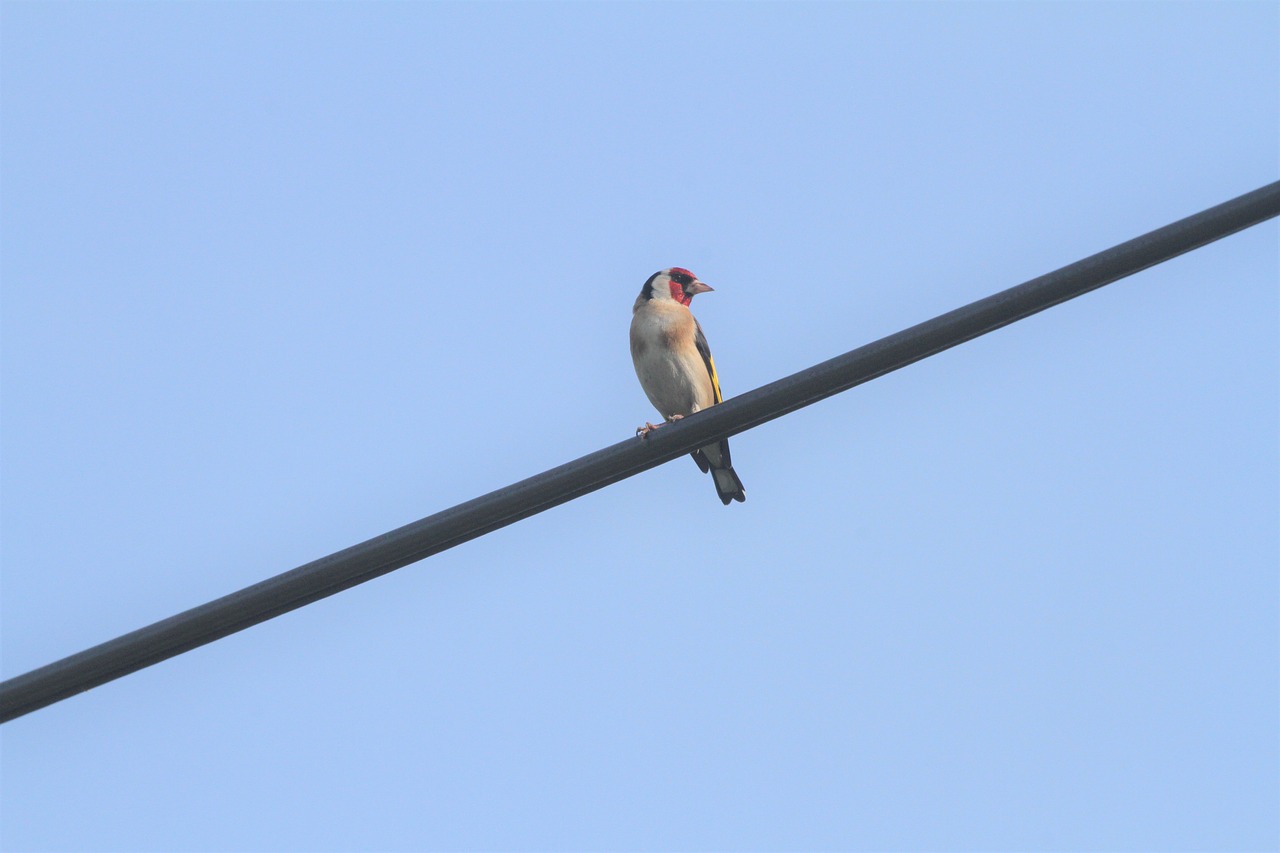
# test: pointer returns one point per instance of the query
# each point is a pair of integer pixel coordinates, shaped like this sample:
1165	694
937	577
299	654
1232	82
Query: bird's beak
699	287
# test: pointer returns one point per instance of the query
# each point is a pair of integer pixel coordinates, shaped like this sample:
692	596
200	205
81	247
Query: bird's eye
681	278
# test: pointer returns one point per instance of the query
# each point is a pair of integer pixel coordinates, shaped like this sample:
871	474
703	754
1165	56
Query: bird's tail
715	458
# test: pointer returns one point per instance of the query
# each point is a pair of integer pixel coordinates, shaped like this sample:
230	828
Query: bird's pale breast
670	368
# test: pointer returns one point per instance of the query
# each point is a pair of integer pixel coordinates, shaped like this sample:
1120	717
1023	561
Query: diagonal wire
390	551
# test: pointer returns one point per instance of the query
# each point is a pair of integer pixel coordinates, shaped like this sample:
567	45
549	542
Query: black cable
408	544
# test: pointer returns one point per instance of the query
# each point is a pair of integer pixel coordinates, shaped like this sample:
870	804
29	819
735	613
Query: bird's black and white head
674	284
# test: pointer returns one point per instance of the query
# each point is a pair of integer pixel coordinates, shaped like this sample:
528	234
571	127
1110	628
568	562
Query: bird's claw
644	431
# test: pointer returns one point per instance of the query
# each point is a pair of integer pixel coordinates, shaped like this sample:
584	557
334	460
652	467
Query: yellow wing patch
715	380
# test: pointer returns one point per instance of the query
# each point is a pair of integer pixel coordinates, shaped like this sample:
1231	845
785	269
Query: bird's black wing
704	350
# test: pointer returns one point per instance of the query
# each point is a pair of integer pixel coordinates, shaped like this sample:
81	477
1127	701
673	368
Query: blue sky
281	277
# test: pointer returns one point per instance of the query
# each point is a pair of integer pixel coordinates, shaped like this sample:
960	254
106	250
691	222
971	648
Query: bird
674	365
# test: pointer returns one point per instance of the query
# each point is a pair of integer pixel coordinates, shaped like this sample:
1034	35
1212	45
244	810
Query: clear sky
281	277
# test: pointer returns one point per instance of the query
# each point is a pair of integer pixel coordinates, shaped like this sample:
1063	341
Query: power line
453	526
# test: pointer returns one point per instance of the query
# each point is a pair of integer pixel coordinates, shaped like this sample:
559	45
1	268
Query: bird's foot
644	431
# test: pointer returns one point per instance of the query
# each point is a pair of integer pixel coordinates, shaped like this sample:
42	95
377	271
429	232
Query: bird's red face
684	285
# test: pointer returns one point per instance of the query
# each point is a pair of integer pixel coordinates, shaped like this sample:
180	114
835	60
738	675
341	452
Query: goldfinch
675	368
